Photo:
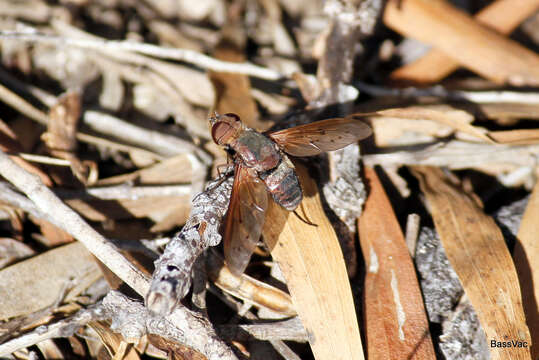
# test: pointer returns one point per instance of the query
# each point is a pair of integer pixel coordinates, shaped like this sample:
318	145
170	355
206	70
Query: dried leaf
516	137
10	143
38	282
526	255
115	344
62	126
50	350
478	48
12	250
477	251
172	170
458	119
233	91
175	351
501	15
396	322
52	235
312	263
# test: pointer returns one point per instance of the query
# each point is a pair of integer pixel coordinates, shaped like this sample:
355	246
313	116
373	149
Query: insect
261	166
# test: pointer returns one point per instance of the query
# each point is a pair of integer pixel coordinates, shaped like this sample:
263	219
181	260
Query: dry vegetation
425	246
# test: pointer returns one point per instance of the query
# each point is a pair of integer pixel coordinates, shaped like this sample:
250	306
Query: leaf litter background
443	198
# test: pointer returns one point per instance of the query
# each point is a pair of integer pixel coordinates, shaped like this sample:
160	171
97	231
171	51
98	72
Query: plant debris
113	194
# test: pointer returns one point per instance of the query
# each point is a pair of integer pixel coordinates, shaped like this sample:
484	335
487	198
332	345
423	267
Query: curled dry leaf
61	134
396	321
312	263
477	251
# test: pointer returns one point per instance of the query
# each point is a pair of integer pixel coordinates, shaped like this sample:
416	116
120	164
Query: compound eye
221	132
234	116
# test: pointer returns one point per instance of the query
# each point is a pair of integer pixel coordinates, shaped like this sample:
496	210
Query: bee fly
261	166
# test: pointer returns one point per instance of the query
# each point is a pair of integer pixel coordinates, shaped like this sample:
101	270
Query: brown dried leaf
175	351
476	47
60	137
115	343
50	350
526	255
477	251
38	282
10	143
395	317
233	91
516	137
312	262
52	235
501	15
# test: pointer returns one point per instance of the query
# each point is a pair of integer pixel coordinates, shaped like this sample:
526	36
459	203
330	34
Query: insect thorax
256	151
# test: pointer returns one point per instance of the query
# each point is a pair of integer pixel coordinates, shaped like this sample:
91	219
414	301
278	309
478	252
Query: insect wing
245	218
317	137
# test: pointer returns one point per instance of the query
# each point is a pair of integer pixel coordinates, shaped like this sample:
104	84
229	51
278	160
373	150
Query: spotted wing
317	137
245	218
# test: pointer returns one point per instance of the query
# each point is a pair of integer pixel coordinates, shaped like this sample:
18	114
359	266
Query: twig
13	198
459	155
163	144
97	141
485	97
69	221
189	56
17	102
200	333
132	319
44	159
172	275
124	191
62	328
412	232
287	330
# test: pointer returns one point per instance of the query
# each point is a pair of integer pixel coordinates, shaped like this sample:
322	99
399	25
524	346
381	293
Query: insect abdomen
283	185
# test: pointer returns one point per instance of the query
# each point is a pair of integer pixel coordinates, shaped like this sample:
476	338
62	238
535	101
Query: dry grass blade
501	15
396	322
477	251
526	255
476	47
312	263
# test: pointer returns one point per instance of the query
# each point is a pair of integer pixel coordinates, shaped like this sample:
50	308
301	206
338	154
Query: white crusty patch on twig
172	275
